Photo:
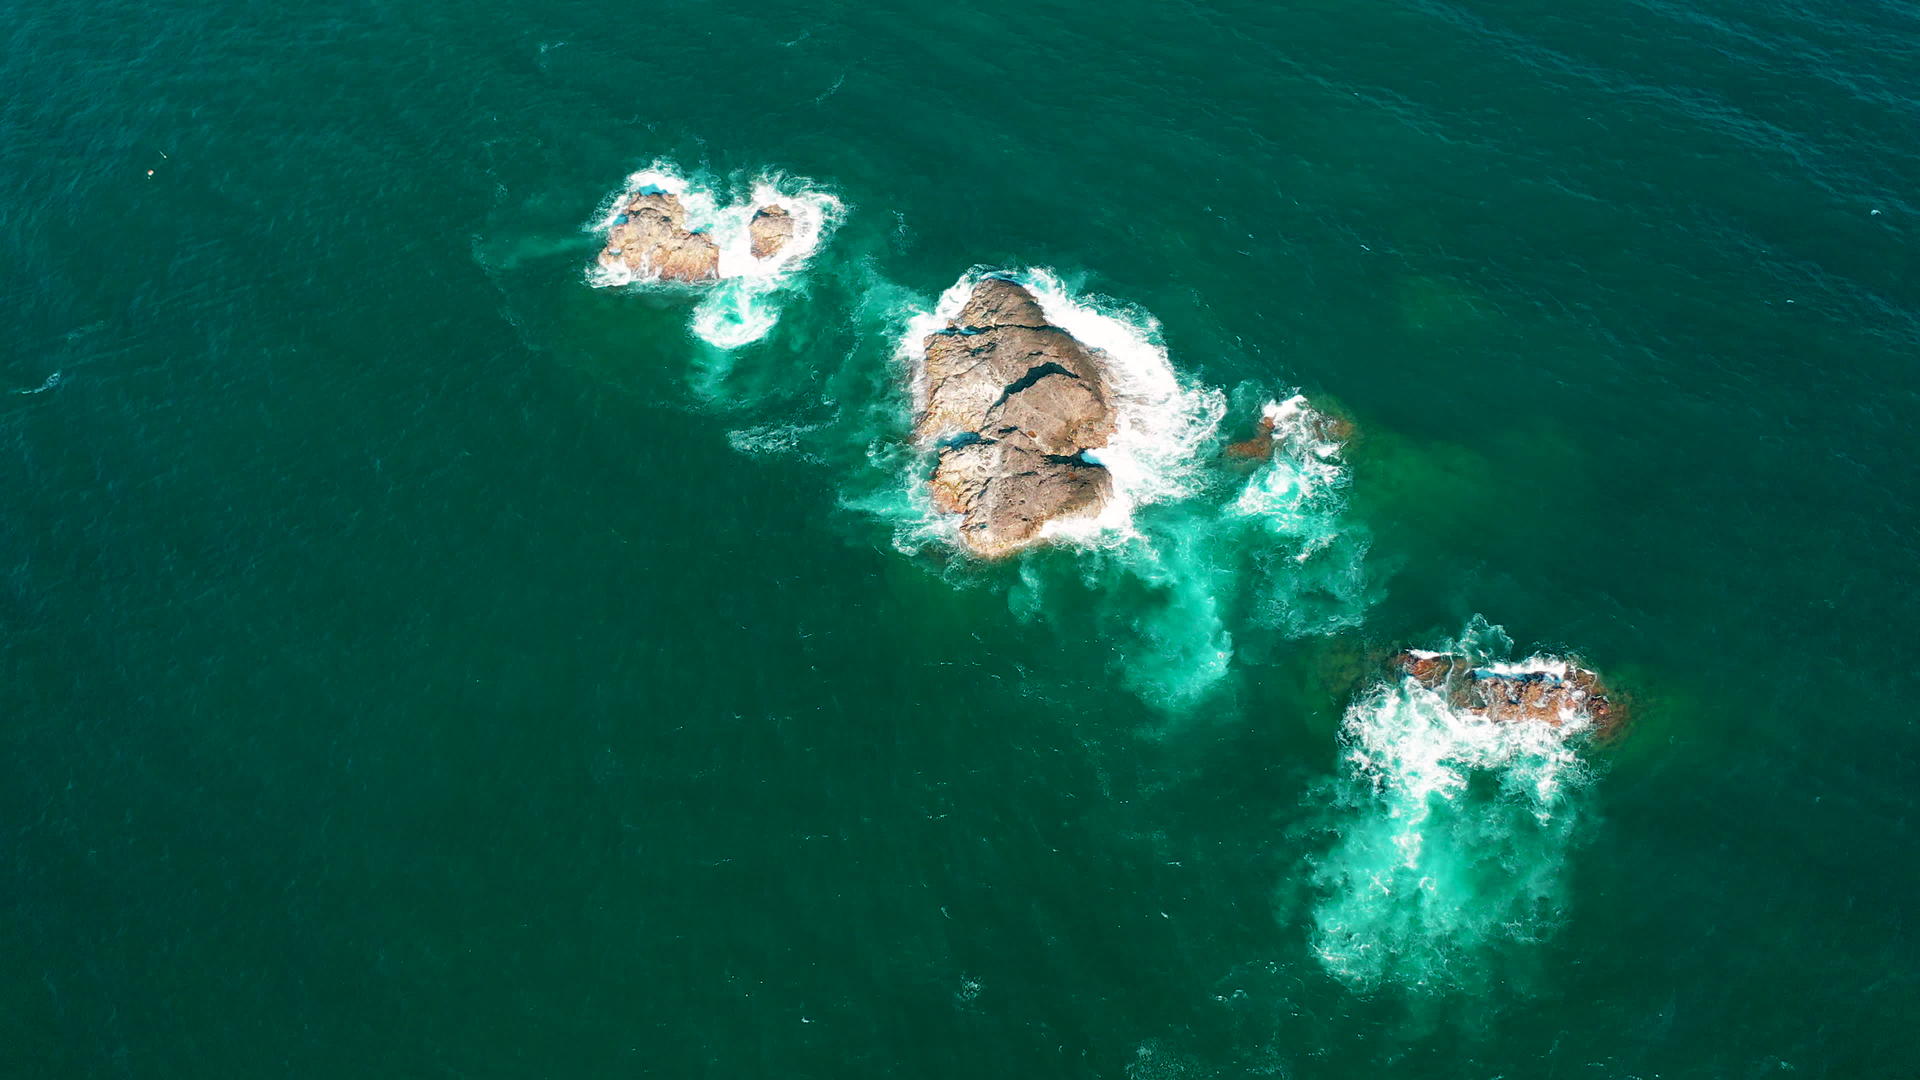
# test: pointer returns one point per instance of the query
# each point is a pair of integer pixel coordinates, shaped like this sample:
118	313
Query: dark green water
417	662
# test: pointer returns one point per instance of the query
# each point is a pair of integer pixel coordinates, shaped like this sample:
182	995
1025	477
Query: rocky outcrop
650	240
769	231
1012	403
1551	692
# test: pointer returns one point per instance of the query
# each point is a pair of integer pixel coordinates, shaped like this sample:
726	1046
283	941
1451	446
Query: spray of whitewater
1290	519
1450	831
743	304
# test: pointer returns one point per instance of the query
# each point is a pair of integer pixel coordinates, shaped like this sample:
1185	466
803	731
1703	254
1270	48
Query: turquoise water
420	661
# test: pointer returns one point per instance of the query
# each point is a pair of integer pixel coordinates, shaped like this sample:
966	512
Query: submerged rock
1013	403
769	231
1554	692
650	240
1259	446
1321	426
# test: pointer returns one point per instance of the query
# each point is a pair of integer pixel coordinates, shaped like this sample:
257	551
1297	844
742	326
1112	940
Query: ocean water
423	656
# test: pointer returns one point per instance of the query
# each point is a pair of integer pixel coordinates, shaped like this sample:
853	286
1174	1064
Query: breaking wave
1309	555
1450	832
744	304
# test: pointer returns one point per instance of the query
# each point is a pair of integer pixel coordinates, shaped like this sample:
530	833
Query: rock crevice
1013	404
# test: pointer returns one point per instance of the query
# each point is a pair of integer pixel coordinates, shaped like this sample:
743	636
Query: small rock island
1013	405
1554	692
650	241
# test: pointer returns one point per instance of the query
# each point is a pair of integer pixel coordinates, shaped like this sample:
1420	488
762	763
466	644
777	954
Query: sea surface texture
426	653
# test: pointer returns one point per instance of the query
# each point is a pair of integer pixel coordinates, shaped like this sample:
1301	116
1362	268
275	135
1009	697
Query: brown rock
769	230
1007	492
1324	426
1012	402
1260	446
1515	698
653	242
1000	302
660	203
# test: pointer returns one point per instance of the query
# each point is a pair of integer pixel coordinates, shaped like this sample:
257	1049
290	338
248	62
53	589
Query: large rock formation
1013	403
1552	692
769	231
650	240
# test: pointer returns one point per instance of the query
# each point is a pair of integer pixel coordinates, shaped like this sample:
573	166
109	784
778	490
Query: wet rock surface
769	231
649	240
1554	692
1012	403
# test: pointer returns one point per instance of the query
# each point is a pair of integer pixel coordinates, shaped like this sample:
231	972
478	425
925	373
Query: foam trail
1274	552
771	440
743	306
1179	646
52	381
1309	573
1451	834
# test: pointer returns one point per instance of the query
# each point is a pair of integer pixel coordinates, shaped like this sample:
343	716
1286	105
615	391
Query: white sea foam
1292	493
1451	832
742	306
1280	555
1161	420
773	439
1308	572
52	381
